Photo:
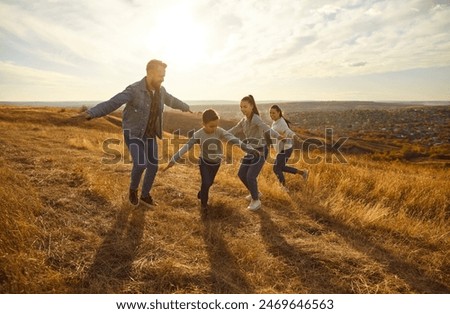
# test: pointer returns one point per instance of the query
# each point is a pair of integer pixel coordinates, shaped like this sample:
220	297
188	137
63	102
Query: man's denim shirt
137	109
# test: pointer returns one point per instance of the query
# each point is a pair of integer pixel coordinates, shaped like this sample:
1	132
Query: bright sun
181	40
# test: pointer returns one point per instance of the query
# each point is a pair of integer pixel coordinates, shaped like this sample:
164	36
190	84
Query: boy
211	151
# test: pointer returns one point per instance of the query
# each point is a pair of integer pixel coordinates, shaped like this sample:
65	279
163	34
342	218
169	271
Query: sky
293	50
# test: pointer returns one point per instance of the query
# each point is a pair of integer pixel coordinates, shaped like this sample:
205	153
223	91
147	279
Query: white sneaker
249	197
254	205
284	188
305	174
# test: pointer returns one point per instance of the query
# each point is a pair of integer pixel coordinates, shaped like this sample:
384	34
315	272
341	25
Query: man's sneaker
133	197
148	201
254	205
305	174
284	188
249	197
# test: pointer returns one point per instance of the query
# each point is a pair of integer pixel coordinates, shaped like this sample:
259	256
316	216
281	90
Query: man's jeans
144	153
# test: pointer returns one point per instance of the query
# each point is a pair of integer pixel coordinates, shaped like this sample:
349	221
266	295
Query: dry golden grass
363	227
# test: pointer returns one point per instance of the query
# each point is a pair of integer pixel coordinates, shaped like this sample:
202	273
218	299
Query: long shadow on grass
225	272
364	241
113	260
313	273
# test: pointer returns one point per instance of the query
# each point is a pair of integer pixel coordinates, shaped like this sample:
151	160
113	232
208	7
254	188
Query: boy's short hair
209	115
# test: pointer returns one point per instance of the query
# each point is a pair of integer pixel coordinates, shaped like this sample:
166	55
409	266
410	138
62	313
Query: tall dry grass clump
21	239
370	192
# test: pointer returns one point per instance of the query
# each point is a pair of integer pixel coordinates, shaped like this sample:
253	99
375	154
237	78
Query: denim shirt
137	109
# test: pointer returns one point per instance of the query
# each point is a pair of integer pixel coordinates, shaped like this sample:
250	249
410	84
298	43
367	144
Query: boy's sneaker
204	211
254	205
148	201
133	197
305	174
284	188
249	197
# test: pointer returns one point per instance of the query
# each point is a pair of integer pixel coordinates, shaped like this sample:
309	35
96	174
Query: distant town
428	126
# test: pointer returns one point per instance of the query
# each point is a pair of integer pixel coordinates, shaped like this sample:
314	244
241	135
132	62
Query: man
141	122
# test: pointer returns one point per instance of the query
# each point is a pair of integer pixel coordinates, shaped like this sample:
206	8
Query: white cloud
222	44
11	72
319	39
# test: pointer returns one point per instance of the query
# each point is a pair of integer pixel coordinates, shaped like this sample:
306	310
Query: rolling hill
365	226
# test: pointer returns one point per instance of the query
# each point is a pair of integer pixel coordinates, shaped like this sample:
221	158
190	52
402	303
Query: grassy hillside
66	226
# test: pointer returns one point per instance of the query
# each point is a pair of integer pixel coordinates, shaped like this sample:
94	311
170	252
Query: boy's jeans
208	172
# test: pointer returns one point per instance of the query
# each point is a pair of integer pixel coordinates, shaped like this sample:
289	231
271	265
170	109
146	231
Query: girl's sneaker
305	174
254	205
249	197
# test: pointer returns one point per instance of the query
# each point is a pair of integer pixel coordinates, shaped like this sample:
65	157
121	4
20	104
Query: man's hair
209	115
153	64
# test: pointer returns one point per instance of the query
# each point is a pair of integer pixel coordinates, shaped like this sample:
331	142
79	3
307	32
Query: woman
257	135
283	148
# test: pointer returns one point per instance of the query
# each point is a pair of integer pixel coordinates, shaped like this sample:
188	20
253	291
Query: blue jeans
144	154
280	165
208	172
250	169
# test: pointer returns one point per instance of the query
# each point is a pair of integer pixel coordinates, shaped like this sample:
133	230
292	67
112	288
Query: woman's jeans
249	170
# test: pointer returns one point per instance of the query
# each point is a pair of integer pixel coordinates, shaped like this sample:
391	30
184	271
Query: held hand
255	153
83	116
169	165
282	135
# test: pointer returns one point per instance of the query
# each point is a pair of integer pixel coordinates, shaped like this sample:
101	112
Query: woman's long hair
278	109
251	100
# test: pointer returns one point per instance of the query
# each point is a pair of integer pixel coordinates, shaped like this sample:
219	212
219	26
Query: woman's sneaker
249	197
254	205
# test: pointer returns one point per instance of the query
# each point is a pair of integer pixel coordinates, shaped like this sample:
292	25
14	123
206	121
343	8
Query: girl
211	151
283	148
258	135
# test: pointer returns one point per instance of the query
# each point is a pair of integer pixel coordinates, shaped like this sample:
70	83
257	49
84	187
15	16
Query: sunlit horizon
287	50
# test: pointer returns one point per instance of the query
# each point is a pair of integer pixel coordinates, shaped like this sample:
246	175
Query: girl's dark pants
280	165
